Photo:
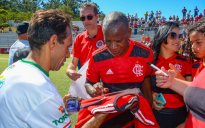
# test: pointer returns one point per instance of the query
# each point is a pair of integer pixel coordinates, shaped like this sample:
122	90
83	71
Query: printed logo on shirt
2	80
61	109
109	72
138	70
63	118
99	43
11	67
179	67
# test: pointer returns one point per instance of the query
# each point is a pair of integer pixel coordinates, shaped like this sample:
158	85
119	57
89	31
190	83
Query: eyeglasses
173	36
89	17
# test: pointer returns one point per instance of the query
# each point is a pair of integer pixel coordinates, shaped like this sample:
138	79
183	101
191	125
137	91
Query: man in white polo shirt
28	98
22	41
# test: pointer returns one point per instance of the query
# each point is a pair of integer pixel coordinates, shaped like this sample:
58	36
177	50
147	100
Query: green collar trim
36	65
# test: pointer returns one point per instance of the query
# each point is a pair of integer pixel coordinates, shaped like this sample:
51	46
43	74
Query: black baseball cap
22	28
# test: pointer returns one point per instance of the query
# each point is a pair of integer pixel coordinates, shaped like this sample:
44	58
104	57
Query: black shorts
170	118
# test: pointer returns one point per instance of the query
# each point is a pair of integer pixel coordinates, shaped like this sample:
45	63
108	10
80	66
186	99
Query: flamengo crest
99	43
138	70
179	67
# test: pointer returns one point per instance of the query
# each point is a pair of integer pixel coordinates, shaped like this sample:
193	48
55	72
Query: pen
156	68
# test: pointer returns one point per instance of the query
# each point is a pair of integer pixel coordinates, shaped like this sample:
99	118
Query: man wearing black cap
22	41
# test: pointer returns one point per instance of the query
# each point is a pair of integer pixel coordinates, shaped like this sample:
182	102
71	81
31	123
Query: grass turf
58	78
6	29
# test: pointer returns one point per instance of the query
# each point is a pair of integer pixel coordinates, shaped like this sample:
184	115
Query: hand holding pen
156	68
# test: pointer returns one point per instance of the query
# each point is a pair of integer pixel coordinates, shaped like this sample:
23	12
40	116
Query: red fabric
174	100
121	67
147	38
193	122
199	69
109	103
135	26
196	18
194	70
200	16
84	46
182	19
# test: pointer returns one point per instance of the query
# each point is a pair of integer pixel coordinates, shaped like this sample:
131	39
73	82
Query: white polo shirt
29	99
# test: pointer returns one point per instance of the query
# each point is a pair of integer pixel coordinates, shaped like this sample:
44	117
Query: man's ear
53	41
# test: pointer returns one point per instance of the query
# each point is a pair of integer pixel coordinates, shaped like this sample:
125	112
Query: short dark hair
161	36
22	28
20	54
114	19
84	5
44	24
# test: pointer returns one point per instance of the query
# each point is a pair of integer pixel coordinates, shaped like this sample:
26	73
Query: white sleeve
51	113
11	55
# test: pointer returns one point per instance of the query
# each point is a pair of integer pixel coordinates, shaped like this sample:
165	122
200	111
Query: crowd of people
123	87
152	20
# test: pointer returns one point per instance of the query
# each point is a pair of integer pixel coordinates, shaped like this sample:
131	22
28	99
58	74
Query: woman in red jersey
166	44
193	92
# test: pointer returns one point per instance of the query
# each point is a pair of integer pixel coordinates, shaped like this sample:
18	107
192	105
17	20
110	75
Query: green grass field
59	78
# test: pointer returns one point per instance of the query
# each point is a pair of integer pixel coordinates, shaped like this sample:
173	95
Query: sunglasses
173	36
89	17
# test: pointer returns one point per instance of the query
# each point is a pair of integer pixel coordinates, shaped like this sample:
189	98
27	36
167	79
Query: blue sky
167	7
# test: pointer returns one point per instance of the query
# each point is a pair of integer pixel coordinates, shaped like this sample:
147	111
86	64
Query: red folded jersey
116	104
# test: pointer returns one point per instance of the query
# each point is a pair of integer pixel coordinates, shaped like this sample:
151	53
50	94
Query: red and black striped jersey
173	100
121	72
194	97
117	104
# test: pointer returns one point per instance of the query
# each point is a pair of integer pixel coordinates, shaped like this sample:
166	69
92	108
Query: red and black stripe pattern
119	73
118	105
173	99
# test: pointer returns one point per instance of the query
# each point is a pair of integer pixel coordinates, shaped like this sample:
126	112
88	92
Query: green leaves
22	10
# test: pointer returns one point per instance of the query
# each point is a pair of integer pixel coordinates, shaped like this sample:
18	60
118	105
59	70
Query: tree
4	4
19	10
3	15
52	4
102	16
66	10
75	6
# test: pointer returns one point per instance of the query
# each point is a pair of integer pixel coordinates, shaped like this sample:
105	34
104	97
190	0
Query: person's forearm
71	67
95	121
149	97
89	88
147	90
179	86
